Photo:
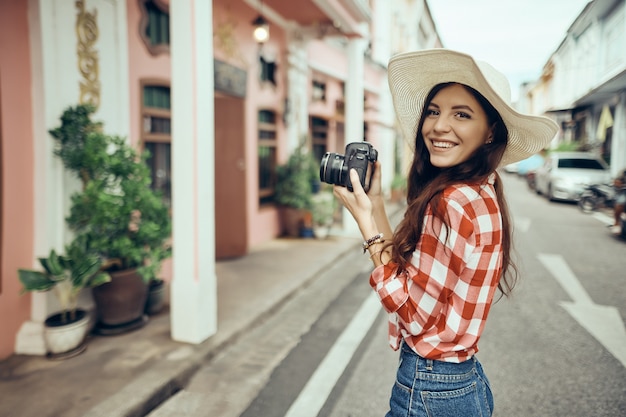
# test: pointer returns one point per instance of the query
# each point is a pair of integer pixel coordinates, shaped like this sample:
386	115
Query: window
340	104
268	71
156	137
319	135
581	163
155	26
319	91
267	156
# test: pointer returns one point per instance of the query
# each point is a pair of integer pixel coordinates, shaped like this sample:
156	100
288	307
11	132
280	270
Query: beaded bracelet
372	241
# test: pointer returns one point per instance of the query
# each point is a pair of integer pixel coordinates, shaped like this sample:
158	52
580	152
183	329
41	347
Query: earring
489	142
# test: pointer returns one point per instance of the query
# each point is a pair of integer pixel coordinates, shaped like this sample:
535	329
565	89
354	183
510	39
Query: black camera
335	168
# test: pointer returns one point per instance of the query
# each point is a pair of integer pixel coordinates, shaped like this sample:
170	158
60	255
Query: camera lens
332	168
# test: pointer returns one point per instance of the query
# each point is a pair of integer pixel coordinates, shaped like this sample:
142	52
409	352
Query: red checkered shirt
439	305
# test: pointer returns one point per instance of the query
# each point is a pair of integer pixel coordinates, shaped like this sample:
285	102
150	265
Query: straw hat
412	75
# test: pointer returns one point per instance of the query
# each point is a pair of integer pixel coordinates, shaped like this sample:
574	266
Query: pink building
228	108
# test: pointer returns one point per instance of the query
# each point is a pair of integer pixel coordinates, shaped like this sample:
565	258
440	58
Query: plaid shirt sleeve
440	304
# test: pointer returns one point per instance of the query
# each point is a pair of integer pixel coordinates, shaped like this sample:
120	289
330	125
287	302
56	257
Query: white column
194	286
297	75
355	85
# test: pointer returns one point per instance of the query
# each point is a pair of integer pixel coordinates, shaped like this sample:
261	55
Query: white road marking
603	218
602	322
564	275
318	388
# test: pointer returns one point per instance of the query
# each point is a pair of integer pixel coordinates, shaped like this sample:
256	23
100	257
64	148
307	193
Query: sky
517	37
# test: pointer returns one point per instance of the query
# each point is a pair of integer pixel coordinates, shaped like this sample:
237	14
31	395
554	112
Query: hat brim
412	75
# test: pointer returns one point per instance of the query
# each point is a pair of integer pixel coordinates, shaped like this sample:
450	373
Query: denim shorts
430	388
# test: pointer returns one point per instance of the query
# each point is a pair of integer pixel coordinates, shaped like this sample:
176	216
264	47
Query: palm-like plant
66	275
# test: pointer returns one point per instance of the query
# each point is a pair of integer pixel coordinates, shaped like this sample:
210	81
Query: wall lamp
261	31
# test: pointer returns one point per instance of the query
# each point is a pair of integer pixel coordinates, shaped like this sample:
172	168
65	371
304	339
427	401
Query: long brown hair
426	184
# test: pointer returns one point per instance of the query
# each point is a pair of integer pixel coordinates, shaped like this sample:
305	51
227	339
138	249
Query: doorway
231	225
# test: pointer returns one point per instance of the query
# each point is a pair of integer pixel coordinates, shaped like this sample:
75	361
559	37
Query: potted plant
121	219
294	190
66	275
323	210
398	188
156	296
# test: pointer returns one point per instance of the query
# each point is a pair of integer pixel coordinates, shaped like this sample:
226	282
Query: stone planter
66	340
322	231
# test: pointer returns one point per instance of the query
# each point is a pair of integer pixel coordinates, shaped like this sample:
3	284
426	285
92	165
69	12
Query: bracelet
372	241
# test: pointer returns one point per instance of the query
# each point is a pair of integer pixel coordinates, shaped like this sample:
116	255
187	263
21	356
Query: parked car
565	175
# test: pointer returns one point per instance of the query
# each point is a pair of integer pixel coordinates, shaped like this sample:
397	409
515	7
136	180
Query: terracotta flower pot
292	220
120	303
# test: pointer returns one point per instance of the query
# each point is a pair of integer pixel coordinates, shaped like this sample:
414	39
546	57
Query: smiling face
455	125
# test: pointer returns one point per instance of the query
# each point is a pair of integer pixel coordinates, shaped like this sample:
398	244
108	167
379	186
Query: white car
564	175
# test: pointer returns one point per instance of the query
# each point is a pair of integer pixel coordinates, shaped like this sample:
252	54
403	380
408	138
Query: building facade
217	110
583	84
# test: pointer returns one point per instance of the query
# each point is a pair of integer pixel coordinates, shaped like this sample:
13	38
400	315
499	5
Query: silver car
564	175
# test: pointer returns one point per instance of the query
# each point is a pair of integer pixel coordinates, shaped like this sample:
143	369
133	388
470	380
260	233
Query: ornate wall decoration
88	66
226	41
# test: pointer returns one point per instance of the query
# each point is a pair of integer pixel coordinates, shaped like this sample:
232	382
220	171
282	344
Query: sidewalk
129	374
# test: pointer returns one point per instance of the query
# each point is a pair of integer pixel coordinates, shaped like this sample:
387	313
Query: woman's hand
368	209
359	203
375	192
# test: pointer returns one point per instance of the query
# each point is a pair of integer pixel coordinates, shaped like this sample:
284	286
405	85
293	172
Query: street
555	348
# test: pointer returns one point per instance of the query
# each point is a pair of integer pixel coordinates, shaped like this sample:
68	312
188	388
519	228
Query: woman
437	274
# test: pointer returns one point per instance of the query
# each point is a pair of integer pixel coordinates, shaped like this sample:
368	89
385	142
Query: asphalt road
557	347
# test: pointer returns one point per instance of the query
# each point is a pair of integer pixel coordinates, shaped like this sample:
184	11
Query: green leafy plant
66	275
399	182
116	216
294	180
398	188
568	147
323	207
